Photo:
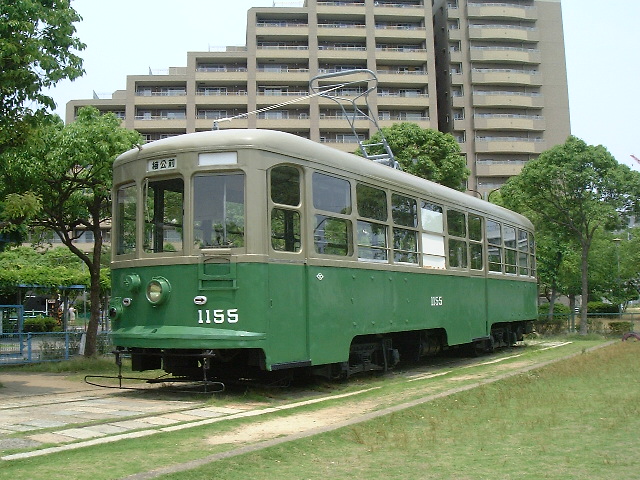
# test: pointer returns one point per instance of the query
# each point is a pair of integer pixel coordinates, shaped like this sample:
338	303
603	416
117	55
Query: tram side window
371	236
433	252
372	202
126	226
532	255
332	235
163	215
457	227
405	241
219	216
331	194
510	250
285	222
494	242
476	257
523	252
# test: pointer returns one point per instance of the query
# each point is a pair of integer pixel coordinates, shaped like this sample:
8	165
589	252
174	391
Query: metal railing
610	324
24	348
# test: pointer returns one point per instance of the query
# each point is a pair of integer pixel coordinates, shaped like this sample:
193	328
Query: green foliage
425	153
601	307
571	192
40	324
559	308
69	168
37	50
620	328
52	268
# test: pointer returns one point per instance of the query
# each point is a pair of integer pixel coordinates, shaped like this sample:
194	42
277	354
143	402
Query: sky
129	37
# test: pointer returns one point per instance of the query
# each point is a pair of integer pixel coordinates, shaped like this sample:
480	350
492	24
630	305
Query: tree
69	168
37	47
425	153
579	189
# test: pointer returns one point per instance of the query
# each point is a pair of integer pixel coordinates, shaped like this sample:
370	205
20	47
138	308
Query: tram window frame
327	189
225	237
494	245
510	249
127	223
156	229
532	255
523	252
372	230
286	232
434	253
457	240
404	214
372	246
338	240
476	241
343	247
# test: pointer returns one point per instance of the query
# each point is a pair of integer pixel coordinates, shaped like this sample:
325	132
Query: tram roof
313	152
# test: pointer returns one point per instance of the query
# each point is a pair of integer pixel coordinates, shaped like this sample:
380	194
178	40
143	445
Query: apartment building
492	74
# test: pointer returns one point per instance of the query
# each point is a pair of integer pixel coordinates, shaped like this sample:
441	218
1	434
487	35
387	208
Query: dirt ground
21	384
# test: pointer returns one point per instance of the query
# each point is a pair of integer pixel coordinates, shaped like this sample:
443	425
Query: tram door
287	266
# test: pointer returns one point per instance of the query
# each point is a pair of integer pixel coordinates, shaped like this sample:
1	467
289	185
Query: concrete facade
492	74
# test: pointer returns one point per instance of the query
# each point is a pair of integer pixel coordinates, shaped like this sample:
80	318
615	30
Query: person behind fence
72	314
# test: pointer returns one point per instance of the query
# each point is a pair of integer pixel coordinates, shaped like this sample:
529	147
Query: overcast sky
127	37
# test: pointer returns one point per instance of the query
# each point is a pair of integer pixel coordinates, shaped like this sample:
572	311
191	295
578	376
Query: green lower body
298	315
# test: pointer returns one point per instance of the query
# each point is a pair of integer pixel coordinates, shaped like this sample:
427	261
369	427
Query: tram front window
163	215
218	203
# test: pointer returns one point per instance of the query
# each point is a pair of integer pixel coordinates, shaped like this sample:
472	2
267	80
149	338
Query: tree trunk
585	286
91	343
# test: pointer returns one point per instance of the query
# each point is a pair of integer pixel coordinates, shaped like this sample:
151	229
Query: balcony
341	52
488	144
402	77
342	31
507	99
222	98
498	168
282	29
207	72
282	75
282	52
509	122
340	7
205	124
504	76
402	99
510	11
405	55
505	55
399	31
504	32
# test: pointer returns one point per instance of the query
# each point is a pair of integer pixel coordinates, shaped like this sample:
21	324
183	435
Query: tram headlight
115	309
158	290
131	282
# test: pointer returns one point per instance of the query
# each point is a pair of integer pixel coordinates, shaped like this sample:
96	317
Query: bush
601	307
544	326
559	308
40	324
619	328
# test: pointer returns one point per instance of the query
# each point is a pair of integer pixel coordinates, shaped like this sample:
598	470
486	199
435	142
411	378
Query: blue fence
22	348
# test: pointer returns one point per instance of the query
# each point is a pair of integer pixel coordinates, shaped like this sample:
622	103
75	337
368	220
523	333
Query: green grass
574	419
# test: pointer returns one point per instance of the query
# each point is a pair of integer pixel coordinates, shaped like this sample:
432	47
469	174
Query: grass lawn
579	419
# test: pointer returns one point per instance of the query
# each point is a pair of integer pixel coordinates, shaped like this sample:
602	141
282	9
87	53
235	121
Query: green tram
240	251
